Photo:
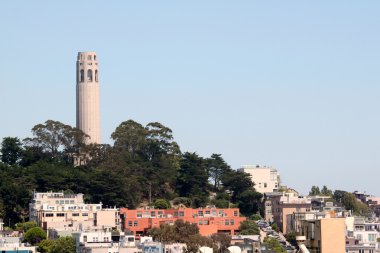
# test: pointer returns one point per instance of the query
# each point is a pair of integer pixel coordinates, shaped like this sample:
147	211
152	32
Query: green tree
275	227
196	241
350	202
149	153
11	150
192	180
57	139
249	202
237	182
220	242
45	246
63	245
161	204
314	191
25	226
249	227
35	235
326	192
182	232
291	237
274	245
182	200
216	168
255	217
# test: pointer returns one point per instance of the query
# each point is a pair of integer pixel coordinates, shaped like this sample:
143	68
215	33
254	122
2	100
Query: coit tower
88	117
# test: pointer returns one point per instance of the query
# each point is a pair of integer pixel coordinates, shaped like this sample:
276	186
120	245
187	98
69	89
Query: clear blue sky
289	84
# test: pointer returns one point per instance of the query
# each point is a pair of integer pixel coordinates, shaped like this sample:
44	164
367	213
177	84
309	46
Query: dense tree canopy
350	202
144	160
11	150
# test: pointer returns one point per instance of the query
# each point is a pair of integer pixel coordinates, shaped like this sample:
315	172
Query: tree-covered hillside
144	164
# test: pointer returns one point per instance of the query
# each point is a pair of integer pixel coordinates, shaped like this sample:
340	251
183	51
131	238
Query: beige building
87	89
324	235
266	179
68	212
284	205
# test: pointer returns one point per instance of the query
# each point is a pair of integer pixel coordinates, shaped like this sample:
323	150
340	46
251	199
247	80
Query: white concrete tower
88	116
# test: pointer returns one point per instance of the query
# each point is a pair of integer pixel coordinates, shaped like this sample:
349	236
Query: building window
200	213
130	223
84	214
153	214
235	213
265	185
96	75
81	75
89	75
139	215
160	213
85	238
49	215
135	223
60	215
181	214
207	211
175	214
75	214
226	222
89	57
232	222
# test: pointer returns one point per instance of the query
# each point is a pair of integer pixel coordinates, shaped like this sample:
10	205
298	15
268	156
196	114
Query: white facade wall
266	179
62	212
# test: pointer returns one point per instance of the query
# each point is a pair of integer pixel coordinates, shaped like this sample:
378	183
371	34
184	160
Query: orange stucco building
209	220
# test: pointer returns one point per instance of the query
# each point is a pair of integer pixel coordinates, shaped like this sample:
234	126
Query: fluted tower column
88	116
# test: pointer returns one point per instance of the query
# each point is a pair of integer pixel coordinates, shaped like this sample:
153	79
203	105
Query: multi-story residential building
267	205
175	248
104	242
9	243
324	235
284	204
363	231
68	212
353	246
209	220
246	243
266	179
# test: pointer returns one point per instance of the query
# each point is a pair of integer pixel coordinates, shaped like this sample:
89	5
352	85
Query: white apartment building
102	242
11	244
68	212
266	179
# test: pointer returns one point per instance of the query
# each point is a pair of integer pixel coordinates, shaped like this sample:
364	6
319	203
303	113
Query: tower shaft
87	89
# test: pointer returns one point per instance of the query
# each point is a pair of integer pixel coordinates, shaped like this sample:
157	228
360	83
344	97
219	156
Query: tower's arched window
96	75
89	75
89	57
94	57
81	76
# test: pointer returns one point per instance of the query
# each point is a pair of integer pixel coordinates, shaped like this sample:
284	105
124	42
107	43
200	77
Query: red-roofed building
209	220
